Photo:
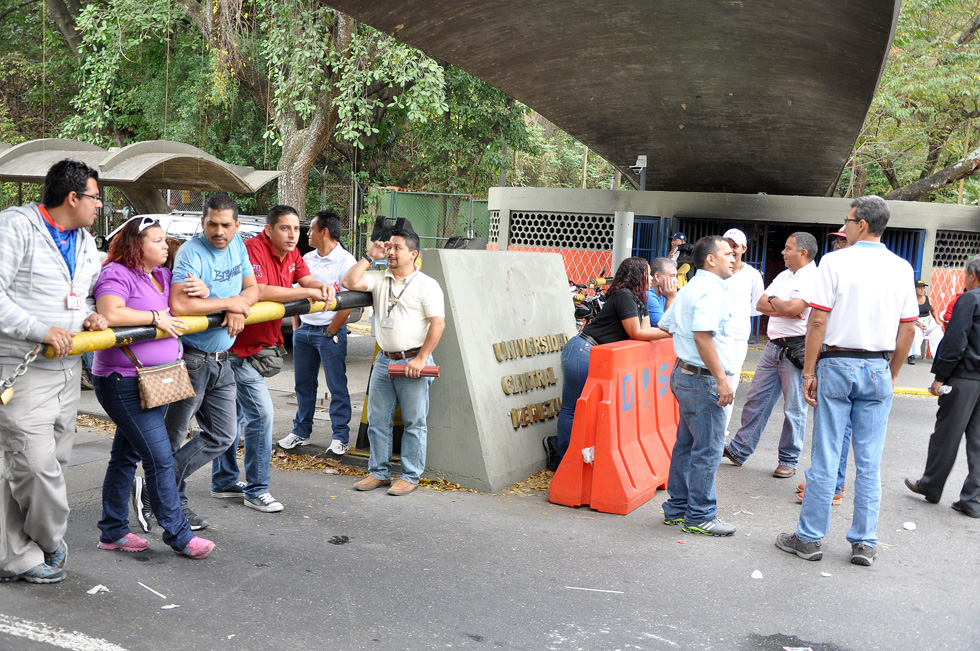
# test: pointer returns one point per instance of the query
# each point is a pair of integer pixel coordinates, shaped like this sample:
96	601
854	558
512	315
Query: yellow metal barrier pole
261	312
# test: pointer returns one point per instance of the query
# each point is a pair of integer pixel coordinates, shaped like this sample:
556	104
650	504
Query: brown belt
402	354
691	368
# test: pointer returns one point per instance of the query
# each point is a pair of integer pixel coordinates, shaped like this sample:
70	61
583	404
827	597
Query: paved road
348	570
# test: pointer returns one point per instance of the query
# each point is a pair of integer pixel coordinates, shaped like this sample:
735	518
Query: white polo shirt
328	269
867	290
419	298
744	292
787	286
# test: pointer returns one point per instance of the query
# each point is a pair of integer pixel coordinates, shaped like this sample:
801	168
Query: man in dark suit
957	366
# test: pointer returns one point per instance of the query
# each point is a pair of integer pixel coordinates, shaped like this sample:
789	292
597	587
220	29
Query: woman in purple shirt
134	290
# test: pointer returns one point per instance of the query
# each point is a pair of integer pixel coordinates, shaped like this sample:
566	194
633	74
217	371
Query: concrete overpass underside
738	96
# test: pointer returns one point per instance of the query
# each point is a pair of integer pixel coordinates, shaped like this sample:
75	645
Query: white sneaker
291	441
264	502
338	448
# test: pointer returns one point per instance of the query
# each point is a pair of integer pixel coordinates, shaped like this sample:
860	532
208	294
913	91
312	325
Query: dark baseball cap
679	236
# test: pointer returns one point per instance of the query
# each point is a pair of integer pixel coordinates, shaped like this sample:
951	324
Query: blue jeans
859	392
698	450
775	375
255	412
140	436
575	371
311	349
214	406
384	395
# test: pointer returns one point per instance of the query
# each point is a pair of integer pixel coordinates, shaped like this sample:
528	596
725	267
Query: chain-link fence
436	217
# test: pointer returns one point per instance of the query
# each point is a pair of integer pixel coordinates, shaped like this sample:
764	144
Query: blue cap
679	236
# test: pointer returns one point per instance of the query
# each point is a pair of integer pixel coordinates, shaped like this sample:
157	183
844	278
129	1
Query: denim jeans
575	371
214	406
859	392
775	375
140	436
255	412
384	395
698	450
311	349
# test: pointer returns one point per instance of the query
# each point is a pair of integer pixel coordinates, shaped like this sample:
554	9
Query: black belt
402	354
589	340
788	340
221	356
834	351
691	368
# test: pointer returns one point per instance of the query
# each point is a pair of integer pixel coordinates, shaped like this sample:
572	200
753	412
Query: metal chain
22	367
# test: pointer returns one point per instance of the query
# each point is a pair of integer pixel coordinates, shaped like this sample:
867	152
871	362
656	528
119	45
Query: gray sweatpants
37	428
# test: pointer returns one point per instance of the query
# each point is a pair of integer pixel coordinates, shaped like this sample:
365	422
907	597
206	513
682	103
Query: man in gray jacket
48	268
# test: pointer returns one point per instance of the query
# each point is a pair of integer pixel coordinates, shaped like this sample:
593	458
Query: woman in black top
624	316
928	324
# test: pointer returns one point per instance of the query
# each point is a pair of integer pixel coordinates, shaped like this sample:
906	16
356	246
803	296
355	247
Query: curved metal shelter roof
723	96
138	169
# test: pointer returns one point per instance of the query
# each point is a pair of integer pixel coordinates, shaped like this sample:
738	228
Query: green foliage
558	162
930	89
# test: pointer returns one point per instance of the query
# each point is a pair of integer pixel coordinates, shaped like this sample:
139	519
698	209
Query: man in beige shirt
409	317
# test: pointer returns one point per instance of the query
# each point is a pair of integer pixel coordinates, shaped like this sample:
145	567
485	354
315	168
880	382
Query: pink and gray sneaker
128	543
197	548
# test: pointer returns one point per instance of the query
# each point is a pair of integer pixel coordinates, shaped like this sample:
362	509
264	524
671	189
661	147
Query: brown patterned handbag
162	384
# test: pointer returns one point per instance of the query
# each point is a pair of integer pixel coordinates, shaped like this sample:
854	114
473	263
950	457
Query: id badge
74	302
387	322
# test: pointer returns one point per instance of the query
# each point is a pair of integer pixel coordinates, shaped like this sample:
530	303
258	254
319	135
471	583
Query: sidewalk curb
903	391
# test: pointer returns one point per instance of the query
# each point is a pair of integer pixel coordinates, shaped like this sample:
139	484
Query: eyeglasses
848	219
97	197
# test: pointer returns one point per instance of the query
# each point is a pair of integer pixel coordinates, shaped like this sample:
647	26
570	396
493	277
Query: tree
914	140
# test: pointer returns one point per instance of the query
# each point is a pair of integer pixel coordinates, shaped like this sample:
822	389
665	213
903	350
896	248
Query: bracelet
809	377
770	299
369	260
156	317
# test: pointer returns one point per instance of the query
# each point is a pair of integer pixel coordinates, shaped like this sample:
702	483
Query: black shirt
958	353
608	326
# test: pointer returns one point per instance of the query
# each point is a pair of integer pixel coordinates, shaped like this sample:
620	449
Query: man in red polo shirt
278	265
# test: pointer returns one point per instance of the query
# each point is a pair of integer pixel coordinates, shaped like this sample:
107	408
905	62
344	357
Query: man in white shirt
321	339
776	371
410	311
864	310
744	291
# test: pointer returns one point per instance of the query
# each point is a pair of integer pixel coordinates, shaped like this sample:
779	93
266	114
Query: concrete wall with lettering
508	314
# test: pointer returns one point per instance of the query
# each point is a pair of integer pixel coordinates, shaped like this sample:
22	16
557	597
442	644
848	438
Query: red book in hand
398	370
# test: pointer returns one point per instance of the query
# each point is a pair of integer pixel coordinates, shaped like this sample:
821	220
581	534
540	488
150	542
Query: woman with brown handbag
133	290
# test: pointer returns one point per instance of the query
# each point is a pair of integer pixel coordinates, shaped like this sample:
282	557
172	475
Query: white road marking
568	587
57	637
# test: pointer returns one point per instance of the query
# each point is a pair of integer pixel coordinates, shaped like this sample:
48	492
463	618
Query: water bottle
944	389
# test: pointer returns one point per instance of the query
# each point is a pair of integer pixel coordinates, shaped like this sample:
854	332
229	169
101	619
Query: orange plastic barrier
627	412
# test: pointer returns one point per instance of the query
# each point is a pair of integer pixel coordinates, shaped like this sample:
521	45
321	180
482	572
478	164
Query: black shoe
141	504
914	487
958	506
551	454
197	522
911	360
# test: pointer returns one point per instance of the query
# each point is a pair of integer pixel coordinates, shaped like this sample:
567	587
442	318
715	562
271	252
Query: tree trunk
63	13
860	179
888	169
961	169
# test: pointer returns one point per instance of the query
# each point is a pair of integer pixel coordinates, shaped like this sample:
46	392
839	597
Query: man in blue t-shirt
218	258
663	288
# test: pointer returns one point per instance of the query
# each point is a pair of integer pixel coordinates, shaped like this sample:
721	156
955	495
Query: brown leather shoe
914	487
728	455
369	483
402	487
783	472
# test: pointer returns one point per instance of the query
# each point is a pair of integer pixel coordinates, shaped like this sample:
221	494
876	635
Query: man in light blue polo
699	320
219	258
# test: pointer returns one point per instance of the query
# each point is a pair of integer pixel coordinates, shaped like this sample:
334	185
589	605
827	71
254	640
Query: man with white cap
745	288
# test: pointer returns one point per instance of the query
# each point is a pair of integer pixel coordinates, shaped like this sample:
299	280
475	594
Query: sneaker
58	557
808	551
337	448
673	522
195	521
141	504
238	490
42	573
87	381
264	502
911	362
861	554
291	441
731	457
551	458
714	527
197	548
128	543
837	501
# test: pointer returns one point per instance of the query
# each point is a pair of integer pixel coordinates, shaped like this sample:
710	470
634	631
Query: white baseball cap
736	236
